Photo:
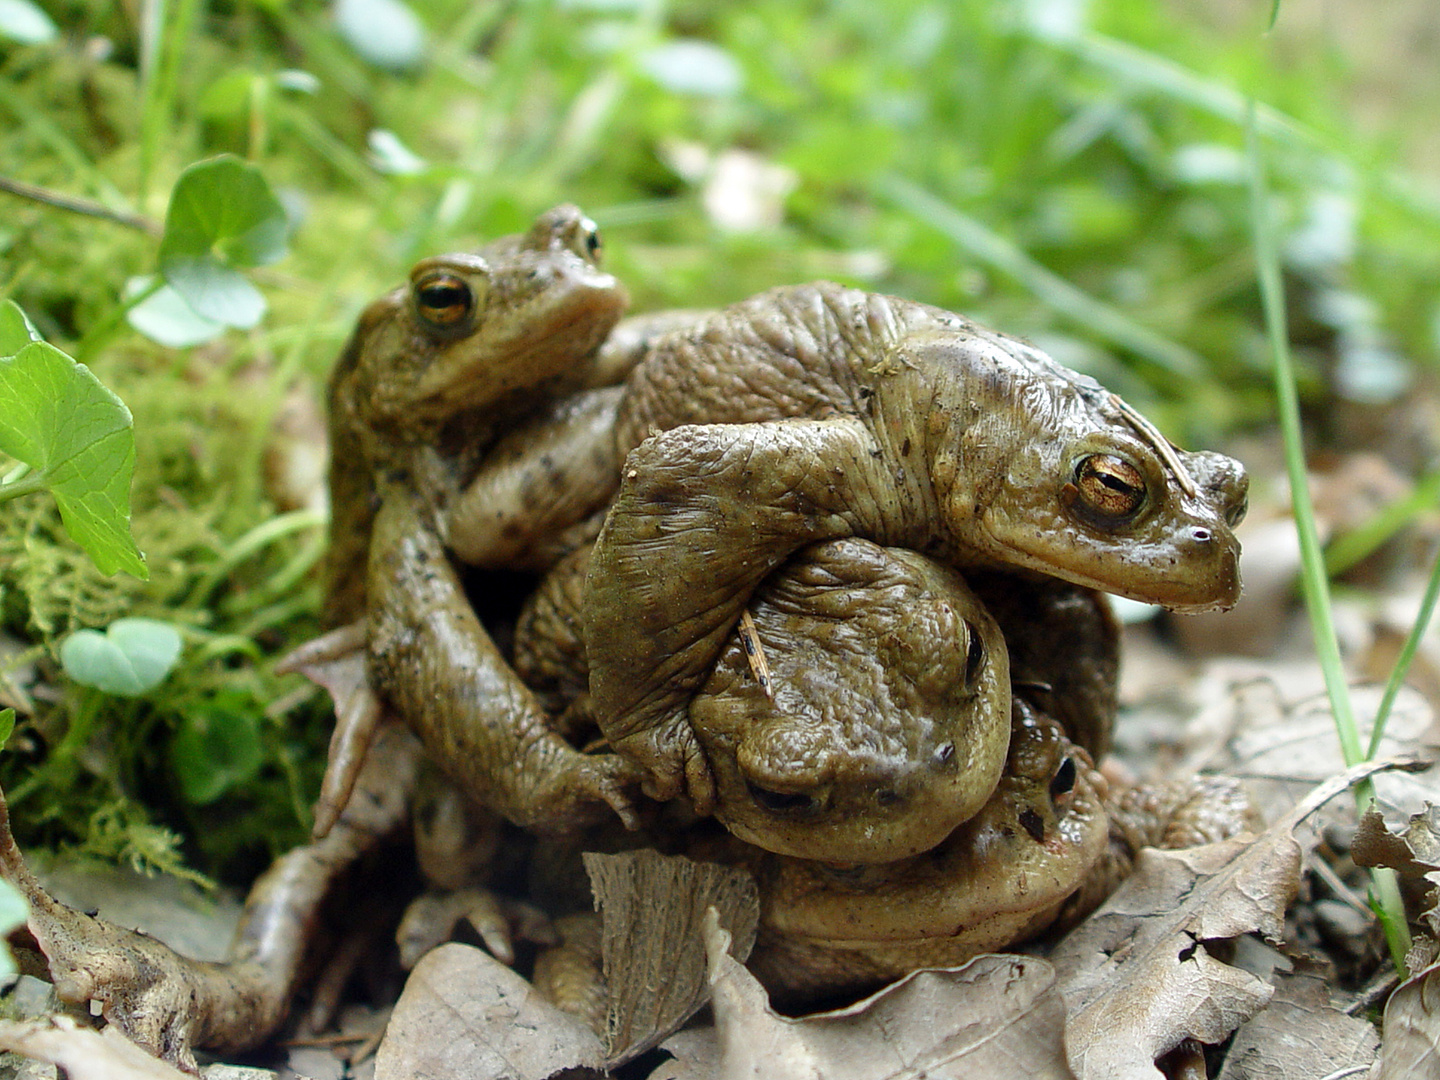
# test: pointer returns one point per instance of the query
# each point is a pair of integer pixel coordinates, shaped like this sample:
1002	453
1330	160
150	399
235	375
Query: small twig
750	640
1374	993
1326	873
76	205
335	1038
1151	434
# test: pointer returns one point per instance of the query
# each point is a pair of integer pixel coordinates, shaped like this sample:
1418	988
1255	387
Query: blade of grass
165	34
1407	654
1385	892
1130	63
1345	551
1051	289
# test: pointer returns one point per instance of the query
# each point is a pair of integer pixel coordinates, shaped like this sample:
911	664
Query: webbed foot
337	662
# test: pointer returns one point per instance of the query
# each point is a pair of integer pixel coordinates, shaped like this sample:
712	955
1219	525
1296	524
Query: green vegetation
1078	178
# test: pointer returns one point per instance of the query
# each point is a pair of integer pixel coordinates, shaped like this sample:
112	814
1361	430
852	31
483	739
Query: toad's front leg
703	515
436	665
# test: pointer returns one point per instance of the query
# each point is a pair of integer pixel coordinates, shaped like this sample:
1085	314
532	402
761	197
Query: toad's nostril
1199	535
780	802
1033	824
1063	782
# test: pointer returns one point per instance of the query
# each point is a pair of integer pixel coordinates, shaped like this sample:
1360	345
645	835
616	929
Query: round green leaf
216	292
390	155
222	216
129	658
164	316
13	913
385	33
22	21
228	97
690	66
214	750
58	418
297	81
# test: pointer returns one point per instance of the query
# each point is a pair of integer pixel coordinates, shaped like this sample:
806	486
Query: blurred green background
1070	172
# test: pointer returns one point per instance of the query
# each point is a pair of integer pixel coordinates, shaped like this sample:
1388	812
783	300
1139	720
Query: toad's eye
444	302
1063	782
974	654
583	238
1107	491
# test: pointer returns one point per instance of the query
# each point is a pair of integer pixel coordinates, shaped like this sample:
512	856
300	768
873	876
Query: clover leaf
222	216
129	658
217	747
13	912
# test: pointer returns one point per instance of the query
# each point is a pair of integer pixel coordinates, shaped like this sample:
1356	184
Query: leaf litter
1141	976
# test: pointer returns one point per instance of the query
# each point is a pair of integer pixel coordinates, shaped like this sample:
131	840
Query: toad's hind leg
704	514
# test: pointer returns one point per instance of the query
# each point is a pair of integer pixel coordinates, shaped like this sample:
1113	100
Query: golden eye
583	238
444	302
1107	491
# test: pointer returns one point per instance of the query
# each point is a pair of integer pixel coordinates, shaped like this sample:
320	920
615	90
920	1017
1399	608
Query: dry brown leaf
996	1016
84	1053
653	949
464	1014
1136	975
695	1055
1412	1028
1299	1036
1416	854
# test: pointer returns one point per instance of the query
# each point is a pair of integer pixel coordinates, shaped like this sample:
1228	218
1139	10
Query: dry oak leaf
464	1014
84	1053
654	948
1136	976
996	1016
1412	1028
1416	854
1300	1036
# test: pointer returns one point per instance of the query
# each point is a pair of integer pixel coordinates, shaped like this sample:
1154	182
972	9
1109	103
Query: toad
432	375
815	412
1051	843
858	713
1047	843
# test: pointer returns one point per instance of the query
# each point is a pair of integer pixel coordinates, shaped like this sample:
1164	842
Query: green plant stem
1000	254
253	541
99	335
1407	655
1314	581
165	29
1345	551
27	485
57	772
1385	893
